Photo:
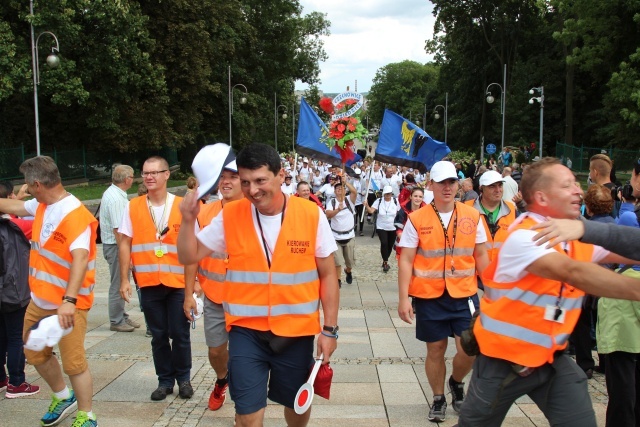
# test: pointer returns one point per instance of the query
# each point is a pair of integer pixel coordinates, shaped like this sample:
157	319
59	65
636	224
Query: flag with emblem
402	143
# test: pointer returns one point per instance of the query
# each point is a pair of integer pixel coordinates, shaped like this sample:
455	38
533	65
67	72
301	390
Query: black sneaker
185	391
438	410
362	233
161	393
349	278
457	393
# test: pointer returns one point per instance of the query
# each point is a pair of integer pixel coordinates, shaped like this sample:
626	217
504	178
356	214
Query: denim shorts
442	317
257	372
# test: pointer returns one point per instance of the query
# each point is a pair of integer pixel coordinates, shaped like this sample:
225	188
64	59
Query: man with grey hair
510	186
61	278
112	205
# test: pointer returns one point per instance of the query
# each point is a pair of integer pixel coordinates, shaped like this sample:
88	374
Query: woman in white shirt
387	207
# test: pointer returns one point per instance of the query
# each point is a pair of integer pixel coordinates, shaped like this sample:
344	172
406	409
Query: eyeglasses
152	173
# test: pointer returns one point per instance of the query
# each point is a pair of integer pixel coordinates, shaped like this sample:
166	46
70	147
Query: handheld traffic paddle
304	397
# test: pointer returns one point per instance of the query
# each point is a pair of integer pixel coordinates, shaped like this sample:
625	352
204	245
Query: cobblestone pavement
379	377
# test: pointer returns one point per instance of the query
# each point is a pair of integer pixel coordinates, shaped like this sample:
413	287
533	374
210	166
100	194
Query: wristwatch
72	300
333	330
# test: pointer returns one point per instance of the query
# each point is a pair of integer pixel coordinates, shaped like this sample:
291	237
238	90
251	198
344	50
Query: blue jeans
11	345
166	320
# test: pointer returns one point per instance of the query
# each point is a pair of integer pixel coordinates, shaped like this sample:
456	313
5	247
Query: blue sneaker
58	409
83	420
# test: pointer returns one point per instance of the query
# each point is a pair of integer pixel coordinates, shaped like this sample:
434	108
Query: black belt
343	232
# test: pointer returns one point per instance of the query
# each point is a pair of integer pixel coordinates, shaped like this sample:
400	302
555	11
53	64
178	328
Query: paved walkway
379	377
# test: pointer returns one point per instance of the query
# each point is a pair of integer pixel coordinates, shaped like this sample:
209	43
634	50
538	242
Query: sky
367	35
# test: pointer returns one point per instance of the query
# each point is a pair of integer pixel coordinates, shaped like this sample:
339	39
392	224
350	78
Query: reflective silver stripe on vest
520	333
210	275
44	253
497	245
240	310
162	268
35	245
253	277
531	298
56	281
432	274
304	308
151	247
91	265
439	253
218	255
294	278
513	331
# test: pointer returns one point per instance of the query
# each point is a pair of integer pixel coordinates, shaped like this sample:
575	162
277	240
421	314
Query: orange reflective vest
212	269
506	216
285	298
512	324
50	263
432	264
150	269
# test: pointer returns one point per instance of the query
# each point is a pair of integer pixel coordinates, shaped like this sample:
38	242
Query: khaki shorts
71	346
346	254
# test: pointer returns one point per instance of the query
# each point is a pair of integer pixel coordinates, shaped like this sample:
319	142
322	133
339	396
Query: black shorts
442	317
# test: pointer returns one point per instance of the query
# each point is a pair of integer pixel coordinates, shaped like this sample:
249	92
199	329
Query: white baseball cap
305	160
208	165
387	189
357	171
443	170
490	177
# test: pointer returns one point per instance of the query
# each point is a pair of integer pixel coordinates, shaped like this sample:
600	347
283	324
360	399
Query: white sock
63	394
90	415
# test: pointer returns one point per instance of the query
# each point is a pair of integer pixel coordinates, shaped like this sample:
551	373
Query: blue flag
403	143
312	134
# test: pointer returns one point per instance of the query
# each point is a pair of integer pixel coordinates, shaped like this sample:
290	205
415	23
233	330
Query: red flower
341	127
350	101
327	105
351	127
340	106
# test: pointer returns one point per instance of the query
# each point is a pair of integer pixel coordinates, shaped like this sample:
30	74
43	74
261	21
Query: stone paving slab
379	377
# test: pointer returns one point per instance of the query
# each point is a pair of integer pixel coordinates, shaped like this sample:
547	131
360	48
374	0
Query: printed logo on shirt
298	246
467	225
47	229
176	228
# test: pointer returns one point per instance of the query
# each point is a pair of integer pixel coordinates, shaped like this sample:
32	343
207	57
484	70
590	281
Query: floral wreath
345	125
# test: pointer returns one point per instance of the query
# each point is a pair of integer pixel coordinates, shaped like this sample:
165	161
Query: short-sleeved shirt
212	236
519	251
112	206
410	238
53	215
386	213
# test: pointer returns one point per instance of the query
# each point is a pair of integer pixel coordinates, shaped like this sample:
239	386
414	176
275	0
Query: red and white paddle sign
304	397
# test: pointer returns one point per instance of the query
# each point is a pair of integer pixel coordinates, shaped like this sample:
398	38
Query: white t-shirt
393	182
212	236
328	191
53	215
288	189
386	213
519	251
160	216
410	238
343	220
316	182
510	188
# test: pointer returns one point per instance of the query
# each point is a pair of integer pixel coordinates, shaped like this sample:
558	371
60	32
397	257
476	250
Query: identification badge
160	251
554	314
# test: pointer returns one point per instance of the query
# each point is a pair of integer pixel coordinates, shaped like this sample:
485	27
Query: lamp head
243	100
490	99
531	92
53	60
284	116
437	116
418	122
531	101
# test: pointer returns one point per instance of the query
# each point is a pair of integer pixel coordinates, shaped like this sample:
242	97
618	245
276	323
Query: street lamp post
243	100
540	99
491	99
52	60
276	112
445	109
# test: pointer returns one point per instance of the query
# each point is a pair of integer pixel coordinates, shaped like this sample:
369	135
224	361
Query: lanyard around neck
450	244
267	250
158	226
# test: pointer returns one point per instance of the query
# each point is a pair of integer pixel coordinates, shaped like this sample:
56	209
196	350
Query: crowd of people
496	256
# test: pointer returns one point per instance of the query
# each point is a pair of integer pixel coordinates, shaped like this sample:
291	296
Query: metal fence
577	158
79	163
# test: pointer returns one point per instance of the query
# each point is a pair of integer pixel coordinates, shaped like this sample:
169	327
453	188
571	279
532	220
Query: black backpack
14	267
